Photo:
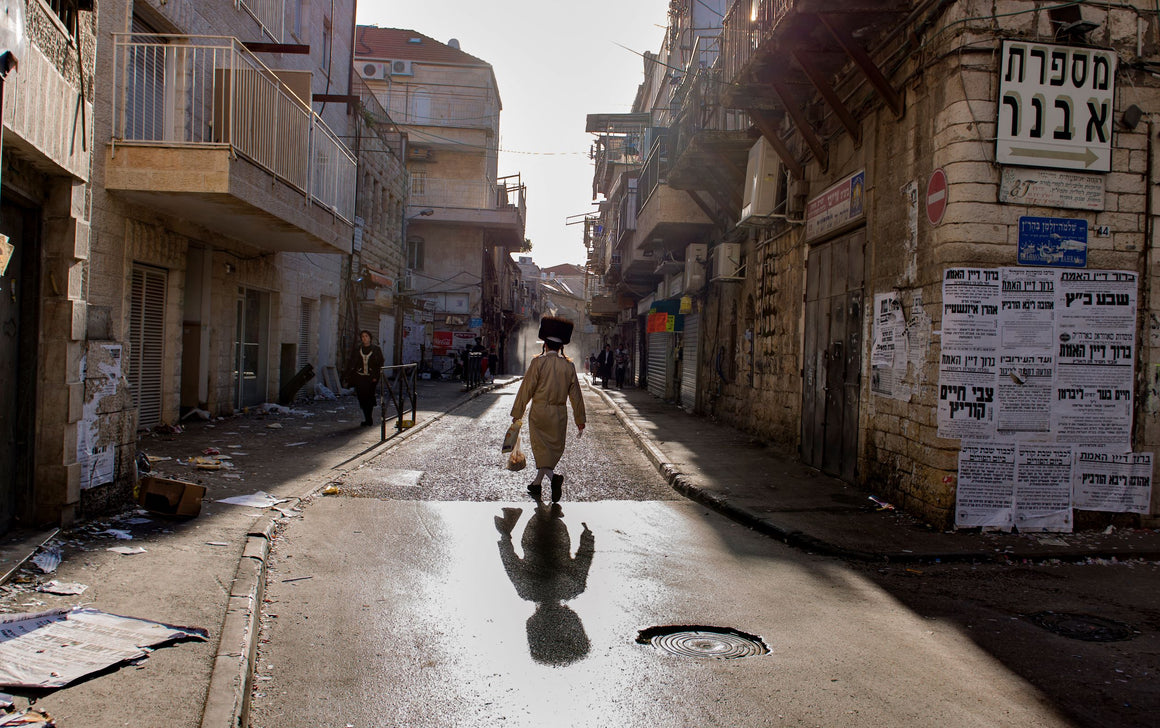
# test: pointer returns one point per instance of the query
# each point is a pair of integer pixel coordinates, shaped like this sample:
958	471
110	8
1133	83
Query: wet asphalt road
431	592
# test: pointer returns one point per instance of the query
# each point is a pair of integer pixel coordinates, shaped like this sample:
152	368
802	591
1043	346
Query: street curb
683	484
227	703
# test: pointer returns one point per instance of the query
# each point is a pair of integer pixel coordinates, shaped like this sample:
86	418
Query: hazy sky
555	62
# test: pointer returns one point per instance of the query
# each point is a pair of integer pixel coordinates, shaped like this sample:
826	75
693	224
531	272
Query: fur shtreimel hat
555	329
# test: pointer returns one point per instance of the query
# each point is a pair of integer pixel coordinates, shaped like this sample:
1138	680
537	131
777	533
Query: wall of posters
1036	377
888	355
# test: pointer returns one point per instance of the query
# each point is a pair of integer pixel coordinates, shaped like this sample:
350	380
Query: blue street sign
475	323
1057	241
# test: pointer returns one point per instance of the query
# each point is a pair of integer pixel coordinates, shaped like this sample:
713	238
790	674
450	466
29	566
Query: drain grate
720	643
1084	626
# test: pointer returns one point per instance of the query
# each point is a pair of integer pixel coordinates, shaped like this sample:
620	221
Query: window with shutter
147	342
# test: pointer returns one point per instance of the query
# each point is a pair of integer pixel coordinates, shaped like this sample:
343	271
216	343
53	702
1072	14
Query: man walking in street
604	365
620	360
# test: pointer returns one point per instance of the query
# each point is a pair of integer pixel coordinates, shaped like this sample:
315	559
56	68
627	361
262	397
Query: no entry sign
936	196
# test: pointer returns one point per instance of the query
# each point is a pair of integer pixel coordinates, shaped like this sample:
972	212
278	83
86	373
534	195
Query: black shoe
535	491
557	487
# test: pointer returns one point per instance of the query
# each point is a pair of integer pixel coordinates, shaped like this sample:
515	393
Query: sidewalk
738	476
206	571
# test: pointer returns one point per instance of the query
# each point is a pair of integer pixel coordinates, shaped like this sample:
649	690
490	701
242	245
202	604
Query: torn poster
52	649
1108	479
888	355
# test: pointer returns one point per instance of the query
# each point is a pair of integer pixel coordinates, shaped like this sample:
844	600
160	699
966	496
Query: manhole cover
720	643
1084	626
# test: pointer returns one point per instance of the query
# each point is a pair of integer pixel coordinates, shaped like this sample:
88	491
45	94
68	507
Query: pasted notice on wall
101	374
1043	488
888	358
1107	479
967	364
986	491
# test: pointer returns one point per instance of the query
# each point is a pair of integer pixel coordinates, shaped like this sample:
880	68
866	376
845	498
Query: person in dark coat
364	367
604	365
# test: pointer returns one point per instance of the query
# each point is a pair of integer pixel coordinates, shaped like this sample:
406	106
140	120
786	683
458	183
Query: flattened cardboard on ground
170	497
52	649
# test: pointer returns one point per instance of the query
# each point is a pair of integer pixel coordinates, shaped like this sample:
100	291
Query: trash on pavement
296	444
205	463
48	559
330	489
62	587
200	413
27	717
259	499
52	649
211	451
882	505
216	543
117	533
126	550
170	497
274	426
7	702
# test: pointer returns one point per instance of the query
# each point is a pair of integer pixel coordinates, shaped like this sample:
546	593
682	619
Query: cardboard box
170	497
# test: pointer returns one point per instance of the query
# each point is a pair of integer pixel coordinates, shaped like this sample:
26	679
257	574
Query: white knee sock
540	473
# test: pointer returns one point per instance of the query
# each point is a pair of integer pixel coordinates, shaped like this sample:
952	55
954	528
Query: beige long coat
548	384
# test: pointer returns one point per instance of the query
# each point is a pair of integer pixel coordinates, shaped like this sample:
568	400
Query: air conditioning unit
696	256
407	283
726	262
374	70
765	185
400	68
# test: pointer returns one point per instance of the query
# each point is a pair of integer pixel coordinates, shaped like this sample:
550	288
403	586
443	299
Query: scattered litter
236	453
118	533
330	490
195	412
321	391
126	550
232	476
296	578
296	444
27	717
233	447
52	649
48	559
216	543
274	426
205	463
168	429
882	505
158	458
7	702
137	521
142	463
1052	541
288	512
62	588
269	407
1109	530
260	499
211	451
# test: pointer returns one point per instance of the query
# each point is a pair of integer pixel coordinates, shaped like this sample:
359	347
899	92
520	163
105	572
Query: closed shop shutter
147	342
689	362
660	363
306	331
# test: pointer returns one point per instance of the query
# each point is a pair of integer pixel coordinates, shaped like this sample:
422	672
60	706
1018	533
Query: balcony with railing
666	218
270	14
500	207
705	132
204	130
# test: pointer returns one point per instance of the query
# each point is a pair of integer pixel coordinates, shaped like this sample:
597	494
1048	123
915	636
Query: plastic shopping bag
512	436
517	461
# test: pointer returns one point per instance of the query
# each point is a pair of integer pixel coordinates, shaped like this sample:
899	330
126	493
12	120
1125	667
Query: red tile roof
374	43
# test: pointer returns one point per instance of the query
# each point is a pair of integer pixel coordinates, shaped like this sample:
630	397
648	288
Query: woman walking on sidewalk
548	385
364	368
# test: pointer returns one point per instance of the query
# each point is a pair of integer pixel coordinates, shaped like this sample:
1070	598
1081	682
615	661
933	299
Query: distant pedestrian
492	362
549	384
364	367
604	365
620	359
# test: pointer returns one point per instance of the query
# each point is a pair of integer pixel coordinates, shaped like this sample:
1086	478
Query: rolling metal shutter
147	342
306	331
660	363
689	362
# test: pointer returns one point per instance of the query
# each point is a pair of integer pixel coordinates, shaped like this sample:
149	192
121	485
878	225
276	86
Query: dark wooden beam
334	98
766	123
297	48
862	59
801	124
827	91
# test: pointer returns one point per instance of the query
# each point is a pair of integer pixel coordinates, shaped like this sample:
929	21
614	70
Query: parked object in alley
54	648
170	497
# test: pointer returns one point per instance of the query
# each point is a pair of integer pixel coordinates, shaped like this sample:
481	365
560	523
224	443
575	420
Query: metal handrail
209	91
270	14
403	388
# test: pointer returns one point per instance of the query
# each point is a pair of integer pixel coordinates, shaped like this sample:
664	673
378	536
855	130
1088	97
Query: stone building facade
934	278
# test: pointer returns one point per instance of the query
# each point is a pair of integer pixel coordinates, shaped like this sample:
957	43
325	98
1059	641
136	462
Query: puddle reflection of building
549	575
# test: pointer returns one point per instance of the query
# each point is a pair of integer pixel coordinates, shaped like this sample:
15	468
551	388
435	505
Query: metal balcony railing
205	91
270	14
507	192
655	171
746	26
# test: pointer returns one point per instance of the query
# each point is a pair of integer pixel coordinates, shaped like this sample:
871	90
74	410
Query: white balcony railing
270	14
211	91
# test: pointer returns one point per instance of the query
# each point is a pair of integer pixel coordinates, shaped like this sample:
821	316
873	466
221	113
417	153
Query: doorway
18	365
251	342
833	355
